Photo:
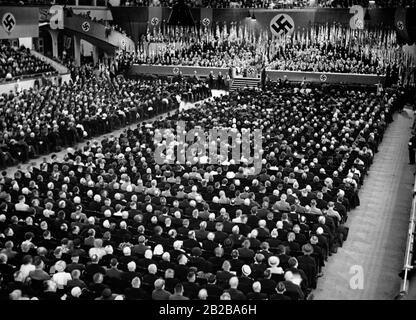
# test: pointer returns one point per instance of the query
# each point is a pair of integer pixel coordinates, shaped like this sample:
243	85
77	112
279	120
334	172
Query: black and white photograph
203	158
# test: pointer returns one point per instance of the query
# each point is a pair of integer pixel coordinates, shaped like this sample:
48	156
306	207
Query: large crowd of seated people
326	57
333	48
240	55
17	62
108	222
35	122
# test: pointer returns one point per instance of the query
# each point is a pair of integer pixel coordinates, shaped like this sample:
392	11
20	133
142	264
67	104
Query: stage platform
293	76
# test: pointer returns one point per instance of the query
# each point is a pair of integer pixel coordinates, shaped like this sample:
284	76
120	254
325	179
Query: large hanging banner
206	17
286	21
276	22
155	16
400	23
18	22
282	24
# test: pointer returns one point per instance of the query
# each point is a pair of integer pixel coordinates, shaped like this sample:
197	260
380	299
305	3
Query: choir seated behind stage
324	48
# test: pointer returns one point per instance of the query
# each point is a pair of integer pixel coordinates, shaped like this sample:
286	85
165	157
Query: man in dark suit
245	282
283	257
280	293
235	262
179	293
190	287
6	269
76	281
214	291
113	272
258	267
256	294
234	292
135	292
131	273
159	293
93	268
292	285
75	263
223	276
308	265
268	285
245	252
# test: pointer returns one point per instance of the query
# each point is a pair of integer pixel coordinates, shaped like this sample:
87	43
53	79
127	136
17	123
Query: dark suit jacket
256	296
237	294
214	291
222	278
279	296
293	291
160	294
245	284
268	286
308	265
190	289
136	294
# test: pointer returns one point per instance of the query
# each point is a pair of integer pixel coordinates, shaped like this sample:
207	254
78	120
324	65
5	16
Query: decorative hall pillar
54	36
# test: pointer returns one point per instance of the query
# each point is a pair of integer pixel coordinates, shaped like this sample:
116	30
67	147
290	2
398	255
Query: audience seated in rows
109	223
35	122
17	62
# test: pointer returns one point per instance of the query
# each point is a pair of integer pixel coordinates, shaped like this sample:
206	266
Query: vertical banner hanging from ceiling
155	18
400	24
206	17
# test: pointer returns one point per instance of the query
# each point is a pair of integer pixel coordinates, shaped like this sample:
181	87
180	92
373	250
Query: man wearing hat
308	265
245	282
